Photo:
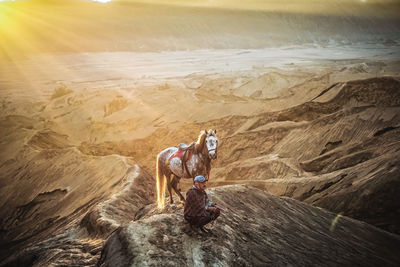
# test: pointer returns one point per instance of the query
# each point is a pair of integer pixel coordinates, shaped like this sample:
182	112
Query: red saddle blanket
179	154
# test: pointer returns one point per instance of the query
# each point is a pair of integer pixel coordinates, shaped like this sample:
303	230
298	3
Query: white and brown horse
185	162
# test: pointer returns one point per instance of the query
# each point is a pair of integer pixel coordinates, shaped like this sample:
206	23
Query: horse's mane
200	141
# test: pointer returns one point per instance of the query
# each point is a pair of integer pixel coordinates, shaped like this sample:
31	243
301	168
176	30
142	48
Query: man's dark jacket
195	204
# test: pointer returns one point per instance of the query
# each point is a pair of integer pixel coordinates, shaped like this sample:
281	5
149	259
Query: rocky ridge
255	229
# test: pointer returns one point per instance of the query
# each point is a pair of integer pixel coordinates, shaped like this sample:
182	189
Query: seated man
198	209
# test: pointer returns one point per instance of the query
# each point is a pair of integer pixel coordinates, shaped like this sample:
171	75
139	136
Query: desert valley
308	121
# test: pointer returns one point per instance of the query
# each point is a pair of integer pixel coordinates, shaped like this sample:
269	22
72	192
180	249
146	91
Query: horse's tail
160	185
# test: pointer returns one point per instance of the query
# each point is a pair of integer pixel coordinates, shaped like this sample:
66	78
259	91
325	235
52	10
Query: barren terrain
308	124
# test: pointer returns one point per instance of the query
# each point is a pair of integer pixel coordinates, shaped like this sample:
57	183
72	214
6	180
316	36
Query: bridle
212	149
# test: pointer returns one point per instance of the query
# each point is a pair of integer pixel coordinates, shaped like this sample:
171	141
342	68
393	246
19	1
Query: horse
185	162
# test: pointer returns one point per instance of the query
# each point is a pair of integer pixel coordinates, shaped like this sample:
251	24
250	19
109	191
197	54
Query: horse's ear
205	131
215	131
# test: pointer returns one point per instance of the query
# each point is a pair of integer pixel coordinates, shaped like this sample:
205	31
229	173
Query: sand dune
79	141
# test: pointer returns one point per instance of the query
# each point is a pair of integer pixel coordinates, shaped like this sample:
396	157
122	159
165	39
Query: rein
184	159
205	159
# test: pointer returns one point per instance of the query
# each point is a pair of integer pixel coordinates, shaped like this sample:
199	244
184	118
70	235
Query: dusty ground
78	146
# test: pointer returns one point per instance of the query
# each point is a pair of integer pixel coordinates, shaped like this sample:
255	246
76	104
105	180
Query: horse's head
211	143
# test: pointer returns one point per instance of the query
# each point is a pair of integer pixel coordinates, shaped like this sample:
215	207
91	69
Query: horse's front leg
175	183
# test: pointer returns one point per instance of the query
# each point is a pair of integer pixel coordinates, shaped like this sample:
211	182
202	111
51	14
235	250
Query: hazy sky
261	4
287	6
239	3
83	25
292	6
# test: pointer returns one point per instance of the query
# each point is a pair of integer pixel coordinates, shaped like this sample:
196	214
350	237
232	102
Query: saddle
184	147
184	153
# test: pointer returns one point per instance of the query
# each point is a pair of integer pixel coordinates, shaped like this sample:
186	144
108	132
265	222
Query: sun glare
102	1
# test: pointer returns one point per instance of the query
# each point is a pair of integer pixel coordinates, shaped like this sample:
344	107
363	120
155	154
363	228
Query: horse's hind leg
175	183
168	177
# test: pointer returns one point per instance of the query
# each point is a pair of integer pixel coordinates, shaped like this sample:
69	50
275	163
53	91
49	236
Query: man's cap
200	179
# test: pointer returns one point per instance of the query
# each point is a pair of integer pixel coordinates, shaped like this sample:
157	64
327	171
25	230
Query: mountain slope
255	229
